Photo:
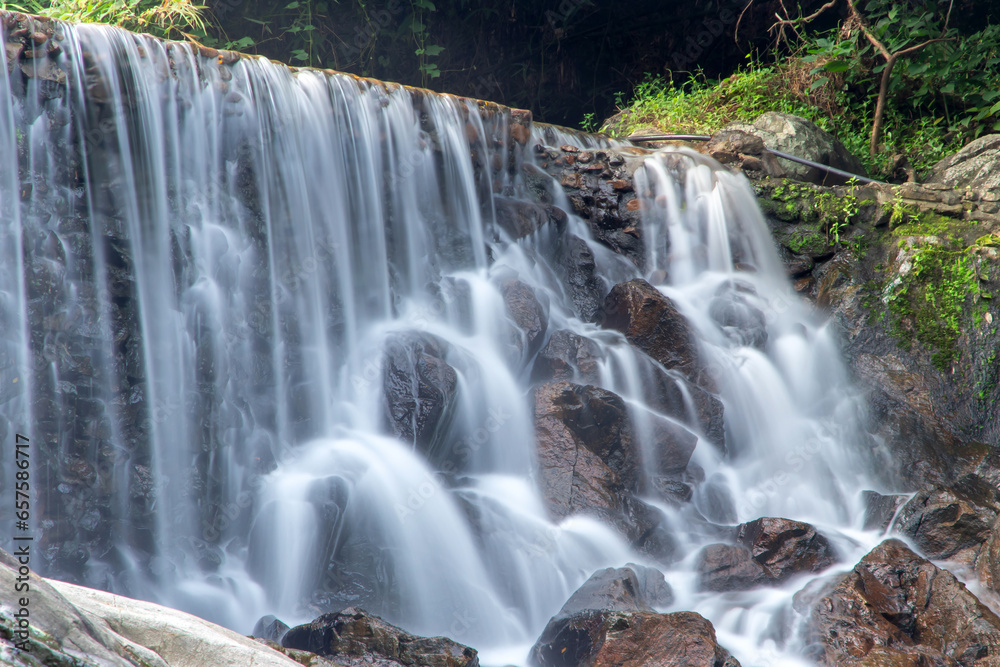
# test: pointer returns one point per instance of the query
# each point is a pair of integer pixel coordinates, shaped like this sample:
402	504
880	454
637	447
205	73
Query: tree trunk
883	95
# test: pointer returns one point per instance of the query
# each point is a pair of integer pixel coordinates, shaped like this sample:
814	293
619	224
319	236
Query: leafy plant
424	51
907	51
164	18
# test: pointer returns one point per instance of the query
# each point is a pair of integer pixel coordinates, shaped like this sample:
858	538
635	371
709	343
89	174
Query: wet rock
742	322
880	509
587	459
944	521
579	273
630	639
802	138
568	356
526	312
589	464
270	627
672	443
355	637
421	390
519	218
785	547
729	567
630	588
770	551
651	322
896	608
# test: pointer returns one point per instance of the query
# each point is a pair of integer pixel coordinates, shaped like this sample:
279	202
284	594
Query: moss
808	240
929	303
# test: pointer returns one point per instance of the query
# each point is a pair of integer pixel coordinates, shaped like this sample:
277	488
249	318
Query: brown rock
589	464
631	639
355	637
651	322
896	608
526	312
943	521
519	218
568	356
785	548
729	567
630	588
585	450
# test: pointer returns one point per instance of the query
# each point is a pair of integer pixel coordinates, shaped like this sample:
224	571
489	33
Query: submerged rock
355	637
630	588
630	639
421	390
525	310
896	608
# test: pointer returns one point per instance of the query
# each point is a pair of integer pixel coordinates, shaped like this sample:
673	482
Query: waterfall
210	269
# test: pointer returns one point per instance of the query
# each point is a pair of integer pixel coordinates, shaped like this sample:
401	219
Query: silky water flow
204	268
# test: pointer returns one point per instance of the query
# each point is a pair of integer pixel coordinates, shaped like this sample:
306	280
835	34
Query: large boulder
355	637
652	323
942	522
896	608
68	626
568	356
802	138
770	551
630	639
578	271
630	588
587	459
525	310
785	547
588	463
420	389
976	166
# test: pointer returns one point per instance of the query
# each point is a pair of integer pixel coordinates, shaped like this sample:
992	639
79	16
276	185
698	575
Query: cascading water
211	272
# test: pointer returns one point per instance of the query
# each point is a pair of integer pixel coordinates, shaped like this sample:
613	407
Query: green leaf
818	82
837	66
425	4
948	88
292	5
994	109
300	54
433	49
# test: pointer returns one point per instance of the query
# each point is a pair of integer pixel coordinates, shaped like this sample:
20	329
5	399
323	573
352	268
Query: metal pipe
793	158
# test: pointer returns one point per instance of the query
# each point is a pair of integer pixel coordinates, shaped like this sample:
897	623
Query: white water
282	226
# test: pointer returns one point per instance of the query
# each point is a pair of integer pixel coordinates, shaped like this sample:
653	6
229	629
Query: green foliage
164	18
949	86
702	106
929	303
421	35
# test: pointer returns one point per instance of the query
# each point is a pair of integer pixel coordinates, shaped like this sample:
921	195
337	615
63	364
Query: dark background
561	59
